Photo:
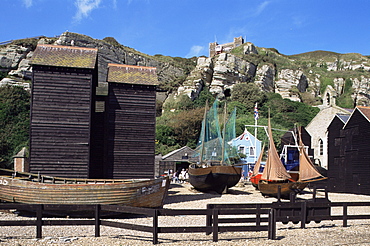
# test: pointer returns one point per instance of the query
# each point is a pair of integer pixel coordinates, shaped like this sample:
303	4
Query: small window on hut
99	106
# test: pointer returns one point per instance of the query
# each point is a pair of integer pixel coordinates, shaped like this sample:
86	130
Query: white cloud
195	50
261	7
84	7
27	3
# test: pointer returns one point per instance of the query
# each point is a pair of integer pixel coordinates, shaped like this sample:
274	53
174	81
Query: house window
241	150
321	145
251	151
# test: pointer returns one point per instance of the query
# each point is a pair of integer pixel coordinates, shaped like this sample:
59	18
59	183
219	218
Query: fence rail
244	217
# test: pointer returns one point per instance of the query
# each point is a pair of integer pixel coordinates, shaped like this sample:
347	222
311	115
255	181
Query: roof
64	56
343	117
364	111
139	75
178	154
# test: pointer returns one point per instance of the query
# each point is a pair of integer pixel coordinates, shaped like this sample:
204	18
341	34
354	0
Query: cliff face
14	58
290	76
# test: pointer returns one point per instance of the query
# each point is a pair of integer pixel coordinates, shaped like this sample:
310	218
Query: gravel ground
182	196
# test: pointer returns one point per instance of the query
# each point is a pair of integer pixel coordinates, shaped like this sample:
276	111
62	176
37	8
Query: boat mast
204	133
255	131
223	137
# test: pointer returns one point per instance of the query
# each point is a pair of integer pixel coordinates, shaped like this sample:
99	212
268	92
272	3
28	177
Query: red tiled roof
64	56
129	74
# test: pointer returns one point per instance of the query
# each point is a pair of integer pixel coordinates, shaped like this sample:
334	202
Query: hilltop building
215	48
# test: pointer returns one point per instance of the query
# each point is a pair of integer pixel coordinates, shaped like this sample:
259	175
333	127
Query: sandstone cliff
296	77
14	58
293	77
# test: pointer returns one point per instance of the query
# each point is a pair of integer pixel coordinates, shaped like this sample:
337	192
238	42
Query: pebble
183	196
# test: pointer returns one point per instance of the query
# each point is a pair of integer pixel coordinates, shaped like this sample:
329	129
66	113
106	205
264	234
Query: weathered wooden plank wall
131	131
61	121
349	155
336	179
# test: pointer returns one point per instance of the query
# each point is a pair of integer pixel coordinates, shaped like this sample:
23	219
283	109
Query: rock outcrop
14	59
219	74
265	78
289	79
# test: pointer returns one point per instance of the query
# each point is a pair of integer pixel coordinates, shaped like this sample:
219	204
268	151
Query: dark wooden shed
336	172
63	89
177	160
349	153
85	128
130	122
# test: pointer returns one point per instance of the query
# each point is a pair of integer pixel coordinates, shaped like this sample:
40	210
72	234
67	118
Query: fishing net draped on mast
209	146
214	146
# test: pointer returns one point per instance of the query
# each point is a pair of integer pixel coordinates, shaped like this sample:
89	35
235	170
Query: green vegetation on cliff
14	122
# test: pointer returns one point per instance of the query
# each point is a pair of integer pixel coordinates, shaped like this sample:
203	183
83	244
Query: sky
184	28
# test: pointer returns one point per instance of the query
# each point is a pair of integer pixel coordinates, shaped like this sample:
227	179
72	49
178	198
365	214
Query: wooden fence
219	217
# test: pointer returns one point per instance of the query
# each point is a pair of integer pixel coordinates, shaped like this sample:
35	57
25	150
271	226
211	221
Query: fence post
215	225
258	215
345	213
272	224
155	226
97	220
209	218
326	193
303	214
39	221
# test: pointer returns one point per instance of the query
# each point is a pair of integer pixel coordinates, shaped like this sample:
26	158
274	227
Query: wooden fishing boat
275	177
274	174
307	170
22	187
214	178
214	171
256	173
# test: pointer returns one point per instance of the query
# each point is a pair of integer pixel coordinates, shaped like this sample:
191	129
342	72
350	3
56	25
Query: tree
248	94
186	126
14	121
287	113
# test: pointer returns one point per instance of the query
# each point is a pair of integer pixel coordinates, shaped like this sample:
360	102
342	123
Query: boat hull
272	188
214	178
138	193
255	179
